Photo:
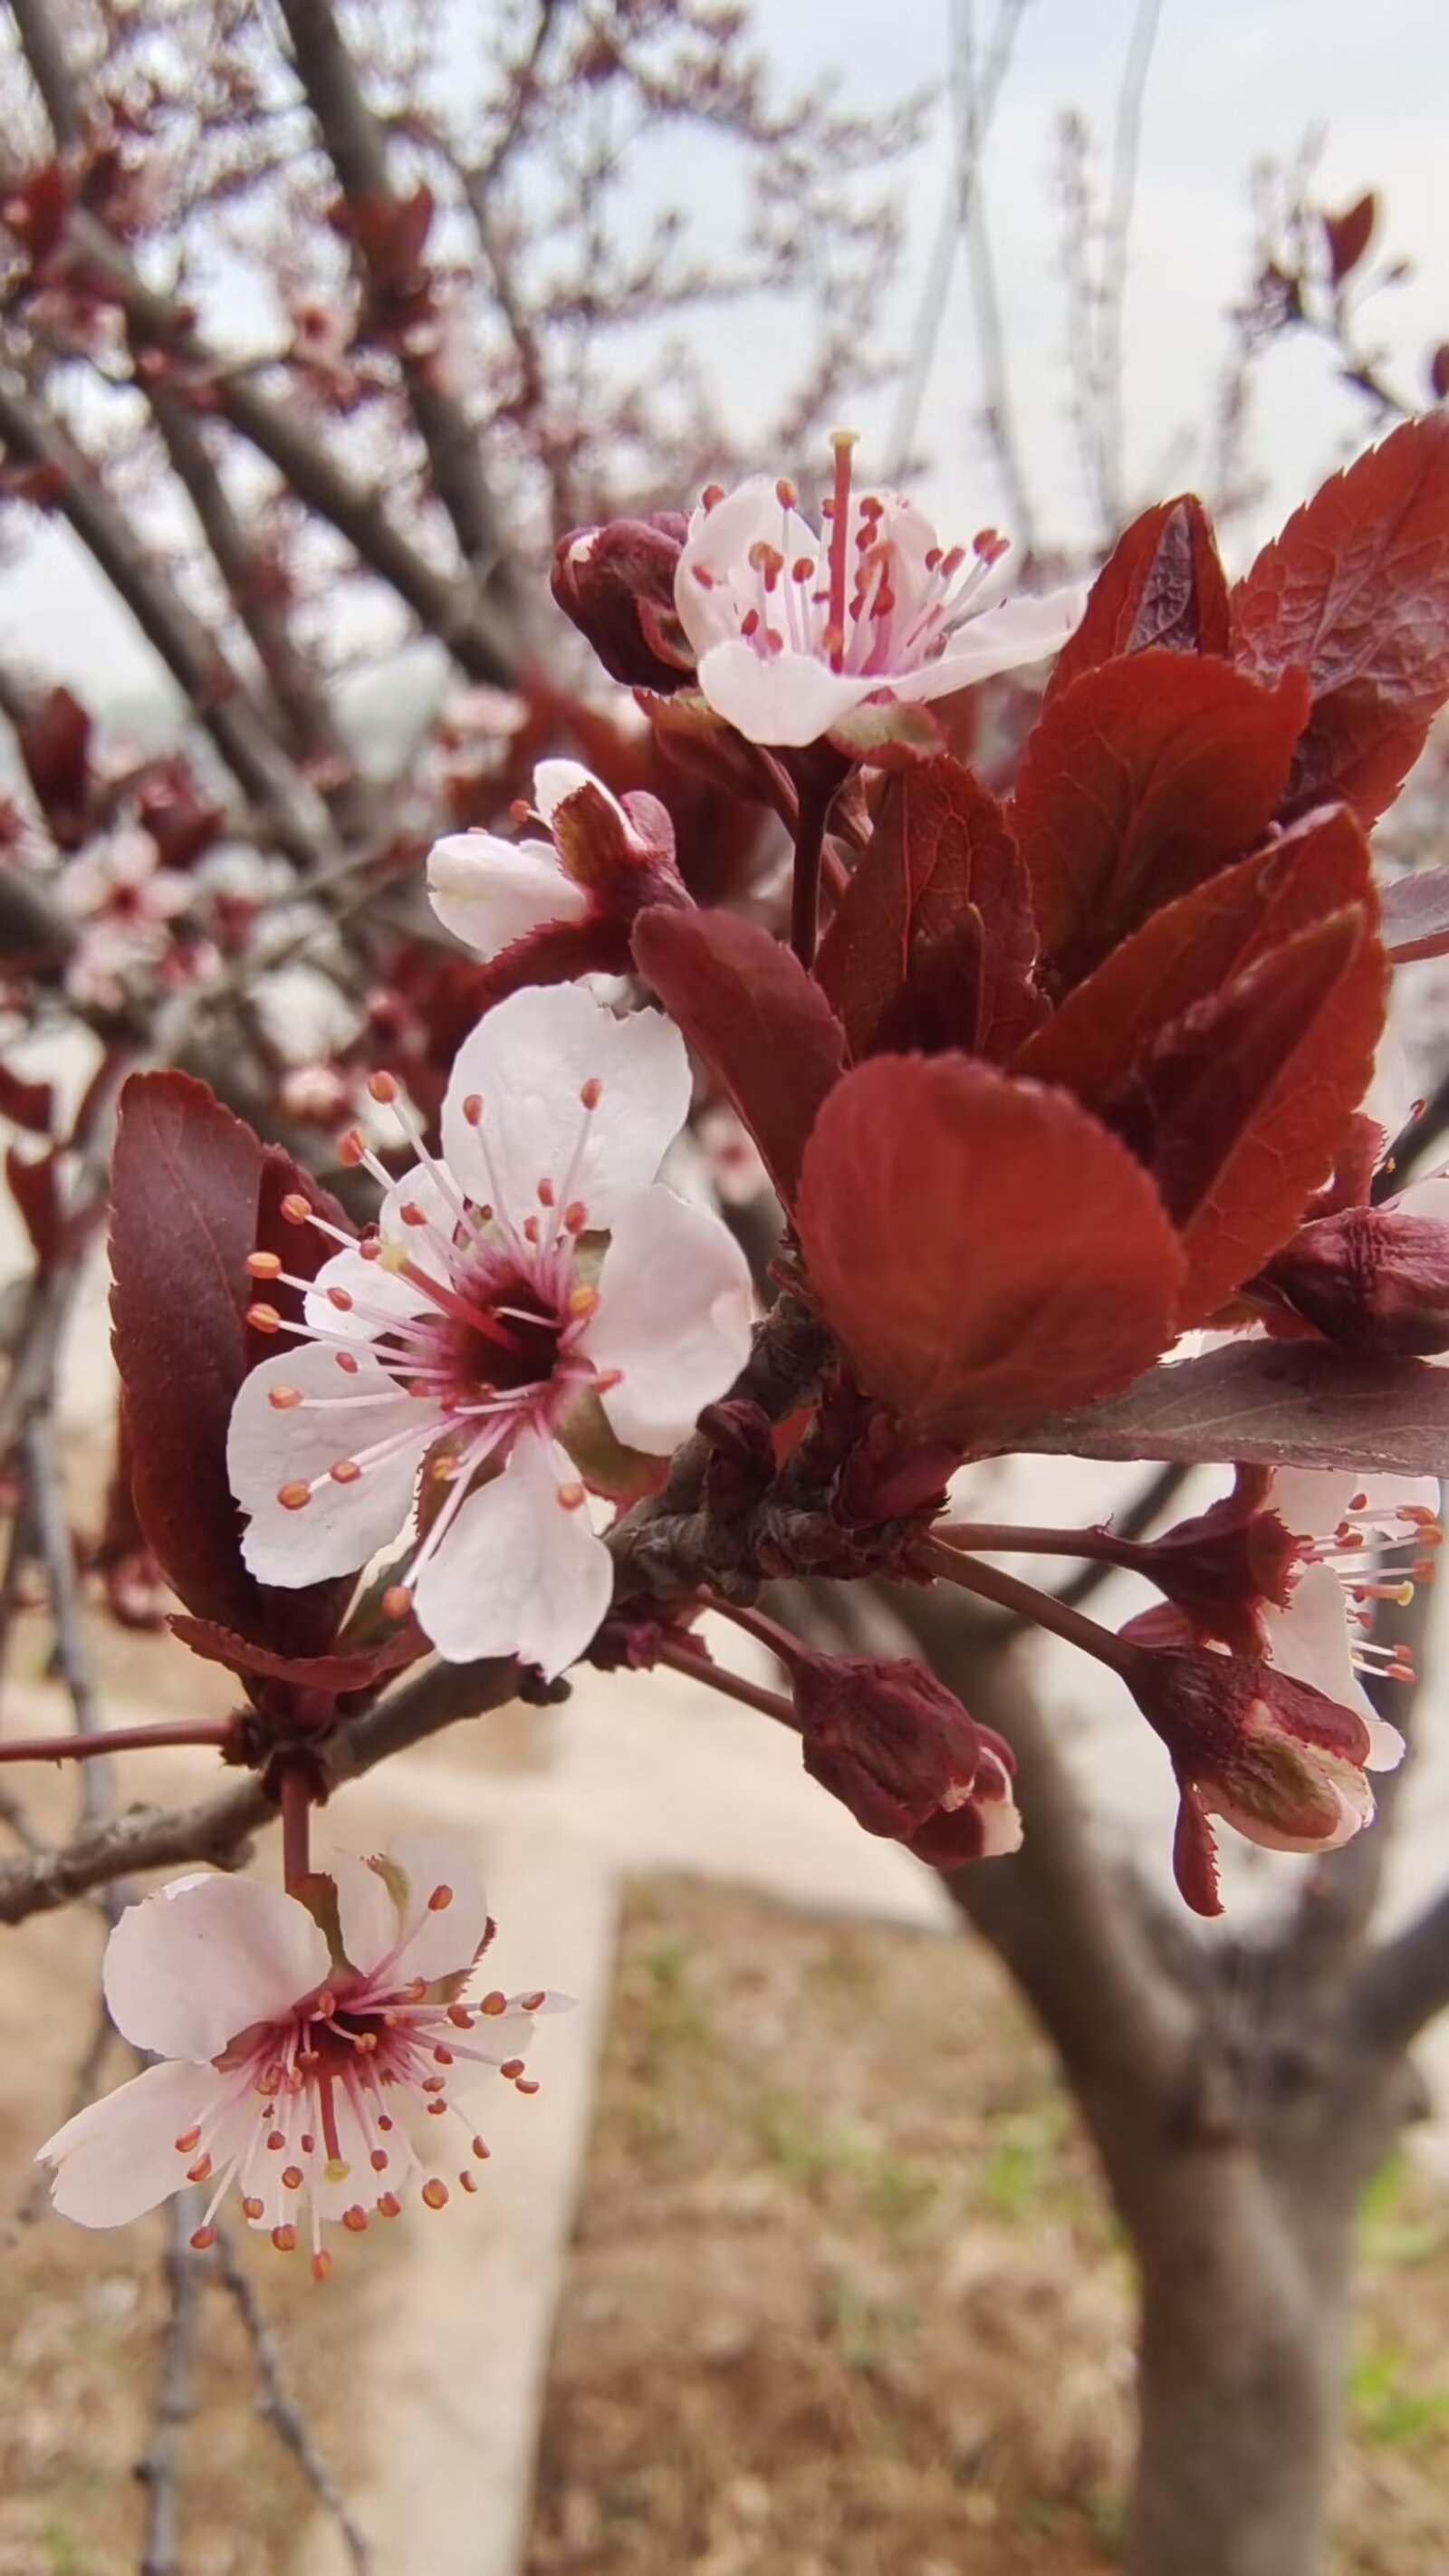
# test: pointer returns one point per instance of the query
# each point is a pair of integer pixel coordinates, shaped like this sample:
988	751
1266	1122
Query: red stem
1118	1653
1007	1539
815	804
682	1659
121	1739
766	1632
295	1792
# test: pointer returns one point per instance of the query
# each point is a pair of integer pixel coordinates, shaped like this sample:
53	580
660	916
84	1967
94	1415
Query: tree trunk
1240	2368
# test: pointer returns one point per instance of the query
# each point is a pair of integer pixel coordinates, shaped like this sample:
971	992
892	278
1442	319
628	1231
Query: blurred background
320	326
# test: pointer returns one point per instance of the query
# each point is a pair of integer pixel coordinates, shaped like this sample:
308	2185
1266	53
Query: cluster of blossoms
1022	1210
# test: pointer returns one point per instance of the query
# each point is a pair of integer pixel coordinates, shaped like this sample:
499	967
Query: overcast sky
1230	83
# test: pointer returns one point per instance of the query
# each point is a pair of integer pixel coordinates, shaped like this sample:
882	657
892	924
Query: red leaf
1240	1106
1163	584
1189	949
1348	236
1416	916
29	1104
982	1248
1270	1404
32	1179
1356	592
1142	779
354	1671
759	1021
940	860
54	745
190	1188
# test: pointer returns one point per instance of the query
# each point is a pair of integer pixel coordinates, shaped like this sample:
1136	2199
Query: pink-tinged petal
118	2157
422	1194
1020	631
341	1417
518	1573
377	1298
995	1804
490	892
1312	1502
718	545
791	698
439	1940
366	1914
195	1964
1309	1640
675	1308
1348	1788
534	1063
556	780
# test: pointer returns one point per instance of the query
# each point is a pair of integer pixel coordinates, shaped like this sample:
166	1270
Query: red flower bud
616	582
1273	1757
1224	1564
894	1745
1371	1279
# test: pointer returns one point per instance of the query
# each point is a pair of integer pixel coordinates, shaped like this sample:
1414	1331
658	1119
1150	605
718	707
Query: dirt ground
846	2299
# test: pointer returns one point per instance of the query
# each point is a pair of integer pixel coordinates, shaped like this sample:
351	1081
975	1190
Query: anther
348	1362
440	1900
572	1497
294	1497
346	1472
203	2240
389	2205
378	2160
200	2171
253	2209
435	2193
292	2177
526	2084
276	2140
530	1229
341	1298
188	2142
321	2266
511	2068
711	497
493	2004
786	494
534	2003
547	1194
473	1109
355	2218
383	1087
285	2239
576	1217
283	1398
397	1601
468	2181
352	1147
583	1301
591	1092
482	2150
295	1208
264	1319
460	2017
264	1265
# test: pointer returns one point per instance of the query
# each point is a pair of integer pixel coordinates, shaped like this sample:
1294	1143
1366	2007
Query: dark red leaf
1143	778
933	941
760	1022
1416	916
1270	1404
1190	949
1348	236
982	1248
354	1671
191	1187
29	1104
32	1179
54	745
1356	592
1163	584
1241	1104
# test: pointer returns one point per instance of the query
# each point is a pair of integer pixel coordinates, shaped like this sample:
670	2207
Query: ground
845	2297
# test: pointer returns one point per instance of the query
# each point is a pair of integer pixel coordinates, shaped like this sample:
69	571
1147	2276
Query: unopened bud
616	583
1371	1279
886	1738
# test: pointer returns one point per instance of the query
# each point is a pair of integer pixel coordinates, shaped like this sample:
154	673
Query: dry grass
846	2299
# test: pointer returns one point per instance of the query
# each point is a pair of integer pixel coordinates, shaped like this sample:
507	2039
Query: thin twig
278	2406
98	1784
159	2470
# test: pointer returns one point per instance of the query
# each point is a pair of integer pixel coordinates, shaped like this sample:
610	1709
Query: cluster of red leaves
1071	1067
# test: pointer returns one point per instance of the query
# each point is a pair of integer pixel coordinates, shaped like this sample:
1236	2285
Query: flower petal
443	1941
367	1917
490	892
555	780
118	2157
529	1063
791	698
340	1417
1309	1640
378	1297
517	1574
1021	630
718	545
675	1307
196	1963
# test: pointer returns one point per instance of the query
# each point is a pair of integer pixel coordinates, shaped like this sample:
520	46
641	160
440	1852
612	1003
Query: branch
1404	1983
52	1525
280	2408
159	2470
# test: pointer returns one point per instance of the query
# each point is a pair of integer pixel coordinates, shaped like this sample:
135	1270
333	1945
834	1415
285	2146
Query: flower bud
1226	1565
1371	1279
616	583
897	1748
1279	1761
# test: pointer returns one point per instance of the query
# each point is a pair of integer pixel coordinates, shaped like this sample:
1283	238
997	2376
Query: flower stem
815	804
1118	1653
682	1659
1005	1538
121	1739
295	1793
766	1632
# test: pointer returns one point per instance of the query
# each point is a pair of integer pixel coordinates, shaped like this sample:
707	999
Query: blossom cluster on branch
1056	1048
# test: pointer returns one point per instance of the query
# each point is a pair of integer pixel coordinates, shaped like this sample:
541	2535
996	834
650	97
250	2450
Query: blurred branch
52	1525
277	2405
159	2470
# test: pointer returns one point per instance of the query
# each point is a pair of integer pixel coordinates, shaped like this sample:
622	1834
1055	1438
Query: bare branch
52	1524
159	2470
280	2408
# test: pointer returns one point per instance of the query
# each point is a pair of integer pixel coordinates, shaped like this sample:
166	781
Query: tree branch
280	2408
159	2470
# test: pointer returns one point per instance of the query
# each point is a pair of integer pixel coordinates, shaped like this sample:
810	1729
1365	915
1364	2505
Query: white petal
379	1297
366	1914
789	699
528	1062
1312	1501
195	1964
118	2158
1309	1640
420	1189
675	1307
342	1525
439	1944
553	780
517	1574
1355	1810
490	892
719	543
1021	630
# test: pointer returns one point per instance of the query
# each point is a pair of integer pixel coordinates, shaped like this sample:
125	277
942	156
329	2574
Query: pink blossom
793	631
533	1310
123	902
311	2069
1360	1540
602	859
